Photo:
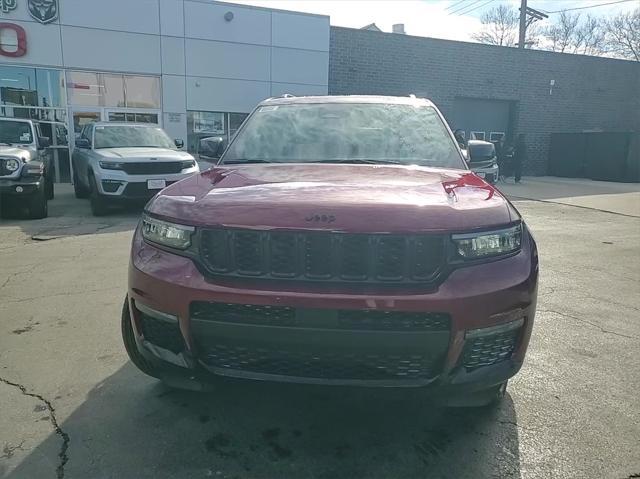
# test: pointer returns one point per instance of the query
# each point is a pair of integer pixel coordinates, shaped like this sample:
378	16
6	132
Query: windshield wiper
362	161
240	161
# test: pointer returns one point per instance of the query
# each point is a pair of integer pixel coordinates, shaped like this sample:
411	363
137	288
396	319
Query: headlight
110	165
188	164
165	233
489	243
11	165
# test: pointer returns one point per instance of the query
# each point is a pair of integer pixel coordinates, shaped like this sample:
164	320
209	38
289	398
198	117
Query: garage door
481	119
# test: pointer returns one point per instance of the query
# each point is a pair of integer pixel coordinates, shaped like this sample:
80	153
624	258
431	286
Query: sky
428	18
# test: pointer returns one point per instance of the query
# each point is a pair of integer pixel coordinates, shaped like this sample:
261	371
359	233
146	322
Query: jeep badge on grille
321	218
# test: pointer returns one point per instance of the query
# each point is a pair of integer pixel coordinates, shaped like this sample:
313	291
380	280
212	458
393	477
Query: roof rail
287	95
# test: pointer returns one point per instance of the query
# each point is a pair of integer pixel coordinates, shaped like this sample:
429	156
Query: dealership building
198	67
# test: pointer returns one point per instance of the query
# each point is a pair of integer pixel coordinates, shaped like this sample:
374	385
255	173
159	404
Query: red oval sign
21	36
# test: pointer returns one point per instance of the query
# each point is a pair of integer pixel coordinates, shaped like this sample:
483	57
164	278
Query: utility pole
523	23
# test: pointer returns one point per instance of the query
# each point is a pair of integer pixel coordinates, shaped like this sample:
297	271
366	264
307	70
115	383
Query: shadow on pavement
69	216
130	426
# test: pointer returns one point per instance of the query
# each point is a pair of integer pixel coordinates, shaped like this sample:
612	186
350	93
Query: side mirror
43	142
179	143
211	148
83	143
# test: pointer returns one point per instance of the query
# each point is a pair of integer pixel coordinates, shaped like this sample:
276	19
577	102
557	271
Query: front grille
162	333
140	190
321	365
322	256
355	320
152	167
244	314
488	350
393	320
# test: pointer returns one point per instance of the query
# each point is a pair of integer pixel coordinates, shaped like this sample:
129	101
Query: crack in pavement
71	293
8	451
582	320
64	457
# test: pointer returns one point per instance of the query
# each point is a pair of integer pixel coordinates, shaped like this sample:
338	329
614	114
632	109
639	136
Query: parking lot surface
73	406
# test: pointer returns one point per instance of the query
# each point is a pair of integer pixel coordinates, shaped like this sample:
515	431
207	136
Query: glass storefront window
84	89
133	117
235	120
31	87
113	90
142	92
203	124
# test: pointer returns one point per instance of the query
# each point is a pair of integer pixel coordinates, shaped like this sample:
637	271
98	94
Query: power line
590	6
454	4
464	7
479	6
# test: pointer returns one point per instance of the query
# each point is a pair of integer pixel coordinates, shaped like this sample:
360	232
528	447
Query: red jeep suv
338	241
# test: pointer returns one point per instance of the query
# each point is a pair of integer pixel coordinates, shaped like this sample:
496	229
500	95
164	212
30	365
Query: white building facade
196	67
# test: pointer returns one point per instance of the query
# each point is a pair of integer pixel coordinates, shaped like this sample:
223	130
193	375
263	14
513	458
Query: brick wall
589	92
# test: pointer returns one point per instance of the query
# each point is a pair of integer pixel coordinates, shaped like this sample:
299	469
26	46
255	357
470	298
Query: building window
112	90
477	135
204	124
142	92
133	117
496	136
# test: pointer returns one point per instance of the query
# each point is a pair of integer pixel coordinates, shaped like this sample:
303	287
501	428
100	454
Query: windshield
131	136
14	132
345	132
481	151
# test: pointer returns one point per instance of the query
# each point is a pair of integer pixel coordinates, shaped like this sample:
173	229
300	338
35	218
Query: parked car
26	173
338	241
126	161
483	160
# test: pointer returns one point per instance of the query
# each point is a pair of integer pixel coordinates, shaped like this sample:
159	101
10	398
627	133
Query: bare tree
573	33
560	36
499	26
590	37
623	35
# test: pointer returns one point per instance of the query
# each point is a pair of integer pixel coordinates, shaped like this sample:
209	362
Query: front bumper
21	186
116	184
490	173
474	298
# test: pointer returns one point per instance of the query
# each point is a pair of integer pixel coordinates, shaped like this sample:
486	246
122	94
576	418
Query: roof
371	27
393	100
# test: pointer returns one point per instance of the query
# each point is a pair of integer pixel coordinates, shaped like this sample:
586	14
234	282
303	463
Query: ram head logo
44	11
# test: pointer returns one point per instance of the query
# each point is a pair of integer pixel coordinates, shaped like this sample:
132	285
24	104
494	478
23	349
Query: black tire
79	190
497	395
96	200
131	347
5	206
49	188
38	204
483	399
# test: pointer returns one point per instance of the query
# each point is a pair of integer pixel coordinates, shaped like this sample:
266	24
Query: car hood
21	151
354	198
140	153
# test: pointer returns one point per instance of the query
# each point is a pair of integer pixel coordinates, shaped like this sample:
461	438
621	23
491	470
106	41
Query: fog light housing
491	330
111	186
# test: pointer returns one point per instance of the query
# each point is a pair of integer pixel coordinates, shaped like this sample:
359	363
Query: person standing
519	157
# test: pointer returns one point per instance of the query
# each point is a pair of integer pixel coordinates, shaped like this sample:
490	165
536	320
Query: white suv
126	161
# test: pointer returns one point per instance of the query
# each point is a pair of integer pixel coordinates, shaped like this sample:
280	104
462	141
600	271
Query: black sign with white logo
44	11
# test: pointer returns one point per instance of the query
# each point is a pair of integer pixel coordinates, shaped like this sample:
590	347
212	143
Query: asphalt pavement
73	406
